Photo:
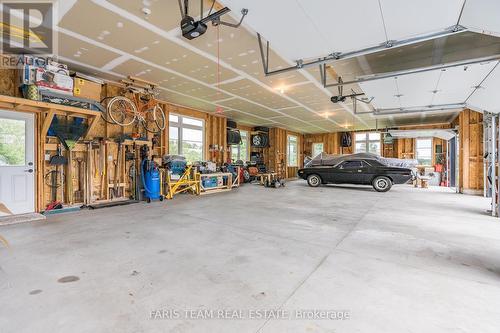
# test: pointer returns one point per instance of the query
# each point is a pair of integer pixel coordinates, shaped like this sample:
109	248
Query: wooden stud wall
401	148
215	136
471	152
330	141
216	148
276	155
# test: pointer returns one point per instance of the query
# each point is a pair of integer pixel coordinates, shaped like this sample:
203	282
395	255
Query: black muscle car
364	169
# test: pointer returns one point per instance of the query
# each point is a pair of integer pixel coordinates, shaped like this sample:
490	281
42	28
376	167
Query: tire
233	137
121	111
260	140
104	114
160	118
257	141
155	120
246	176
382	184
265	140
314	180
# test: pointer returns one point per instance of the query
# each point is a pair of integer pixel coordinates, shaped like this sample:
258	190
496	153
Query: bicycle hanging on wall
142	108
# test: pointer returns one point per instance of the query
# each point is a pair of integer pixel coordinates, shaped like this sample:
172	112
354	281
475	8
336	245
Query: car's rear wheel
382	184
314	180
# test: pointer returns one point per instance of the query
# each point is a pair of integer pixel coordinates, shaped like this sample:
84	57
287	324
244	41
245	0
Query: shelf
28	105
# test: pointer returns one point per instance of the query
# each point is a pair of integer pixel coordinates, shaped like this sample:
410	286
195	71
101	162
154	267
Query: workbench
225	182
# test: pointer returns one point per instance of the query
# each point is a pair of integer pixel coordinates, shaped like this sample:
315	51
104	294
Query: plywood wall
8	82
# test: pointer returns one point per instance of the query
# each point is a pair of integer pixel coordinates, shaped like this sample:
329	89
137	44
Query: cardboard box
89	78
27	75
44	89
55	81
56	64
58	70
87	89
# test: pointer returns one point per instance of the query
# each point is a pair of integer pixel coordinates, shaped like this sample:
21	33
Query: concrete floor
410	260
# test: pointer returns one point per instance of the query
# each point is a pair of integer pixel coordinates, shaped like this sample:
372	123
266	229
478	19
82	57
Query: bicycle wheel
104	113
154	120
160	119
121	110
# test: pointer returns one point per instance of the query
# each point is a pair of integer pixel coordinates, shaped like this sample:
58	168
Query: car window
351	165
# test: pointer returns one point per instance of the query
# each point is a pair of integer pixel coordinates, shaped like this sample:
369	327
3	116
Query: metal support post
493	165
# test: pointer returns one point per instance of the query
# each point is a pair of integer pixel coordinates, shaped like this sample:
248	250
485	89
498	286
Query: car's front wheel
313	180
382	184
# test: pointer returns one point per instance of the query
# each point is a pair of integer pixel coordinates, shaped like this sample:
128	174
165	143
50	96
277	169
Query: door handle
360	170
29	170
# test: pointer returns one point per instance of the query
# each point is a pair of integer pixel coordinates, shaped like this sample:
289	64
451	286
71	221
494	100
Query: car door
324	172
366	173
349	172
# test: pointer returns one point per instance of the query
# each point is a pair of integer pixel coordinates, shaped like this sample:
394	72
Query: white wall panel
346	25
417	88
383	91
311	28
290	31
487	97
482	16
457	83
405	19
454	85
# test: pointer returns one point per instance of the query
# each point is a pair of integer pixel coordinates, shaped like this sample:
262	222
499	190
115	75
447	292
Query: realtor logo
27	27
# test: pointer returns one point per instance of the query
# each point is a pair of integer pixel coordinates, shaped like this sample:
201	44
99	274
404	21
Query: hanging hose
142	175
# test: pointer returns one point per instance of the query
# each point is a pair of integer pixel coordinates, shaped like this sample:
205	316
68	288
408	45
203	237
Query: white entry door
17	169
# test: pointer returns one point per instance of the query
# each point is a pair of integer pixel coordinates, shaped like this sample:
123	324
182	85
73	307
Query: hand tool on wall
79	194
102	166
69	178
89	173
56	178
118	167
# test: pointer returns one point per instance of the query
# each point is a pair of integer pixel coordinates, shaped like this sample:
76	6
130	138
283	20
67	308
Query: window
240	152
12	142
186	137
292	152
423	148
352	165
367	143
317	149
